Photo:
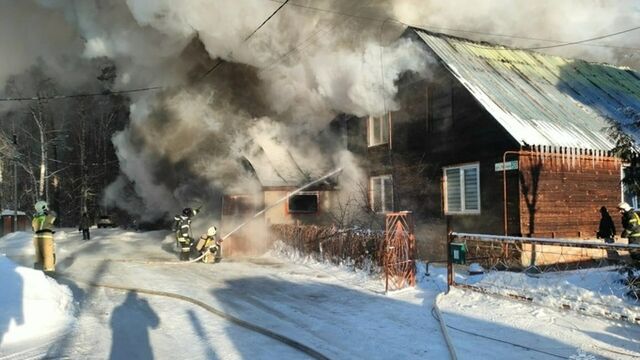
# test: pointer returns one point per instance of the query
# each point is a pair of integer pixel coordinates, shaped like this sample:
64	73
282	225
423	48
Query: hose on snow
242	323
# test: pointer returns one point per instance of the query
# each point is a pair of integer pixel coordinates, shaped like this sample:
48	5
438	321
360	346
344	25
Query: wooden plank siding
561	196
439	123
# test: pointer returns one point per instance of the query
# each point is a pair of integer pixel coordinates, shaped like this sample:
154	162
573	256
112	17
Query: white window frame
634	198
372	200
463	210
385	121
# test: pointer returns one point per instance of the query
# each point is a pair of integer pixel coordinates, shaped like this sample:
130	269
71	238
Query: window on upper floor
378	130
462	189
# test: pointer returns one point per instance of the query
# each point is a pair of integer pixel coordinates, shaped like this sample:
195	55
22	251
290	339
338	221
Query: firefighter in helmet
43	243
631	226
209	246
182	227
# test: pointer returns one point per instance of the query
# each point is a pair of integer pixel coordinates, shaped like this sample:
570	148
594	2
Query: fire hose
256	215
443	327
242	323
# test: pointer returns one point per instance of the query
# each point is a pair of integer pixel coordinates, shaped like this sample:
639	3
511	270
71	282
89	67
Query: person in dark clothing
84	226
606	230
182	228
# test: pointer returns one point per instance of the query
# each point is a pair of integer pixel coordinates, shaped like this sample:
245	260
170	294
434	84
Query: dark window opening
303	203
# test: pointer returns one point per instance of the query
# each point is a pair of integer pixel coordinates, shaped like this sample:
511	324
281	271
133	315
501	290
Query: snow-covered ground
333	310
597	291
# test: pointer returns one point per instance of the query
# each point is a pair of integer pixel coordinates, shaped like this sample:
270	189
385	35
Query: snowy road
313	307
338	313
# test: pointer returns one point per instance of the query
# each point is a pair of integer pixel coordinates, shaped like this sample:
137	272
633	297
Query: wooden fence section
360	247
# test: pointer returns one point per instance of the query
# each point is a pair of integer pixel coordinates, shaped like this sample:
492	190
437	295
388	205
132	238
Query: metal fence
588	276
399	251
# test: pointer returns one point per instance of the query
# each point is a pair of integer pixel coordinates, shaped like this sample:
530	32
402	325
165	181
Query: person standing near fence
631	225
606	230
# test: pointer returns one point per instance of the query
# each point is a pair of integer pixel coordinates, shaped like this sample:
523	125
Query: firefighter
182	227
43	243
631	226
210	247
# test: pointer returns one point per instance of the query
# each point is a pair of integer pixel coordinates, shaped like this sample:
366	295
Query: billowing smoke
198	133
521	22
275	92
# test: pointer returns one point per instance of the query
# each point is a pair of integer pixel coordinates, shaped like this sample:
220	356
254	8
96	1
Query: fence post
449	260
384	253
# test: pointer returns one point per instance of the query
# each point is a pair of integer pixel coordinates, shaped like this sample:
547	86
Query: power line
585	40
560	42
220	61
266	20
307	41
142	89
71	96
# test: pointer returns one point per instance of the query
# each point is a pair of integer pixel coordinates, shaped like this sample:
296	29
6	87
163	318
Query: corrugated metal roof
543	99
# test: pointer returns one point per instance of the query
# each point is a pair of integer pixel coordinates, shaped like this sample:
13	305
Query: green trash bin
458	252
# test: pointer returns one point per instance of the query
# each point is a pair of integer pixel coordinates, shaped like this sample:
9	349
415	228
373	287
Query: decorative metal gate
399	251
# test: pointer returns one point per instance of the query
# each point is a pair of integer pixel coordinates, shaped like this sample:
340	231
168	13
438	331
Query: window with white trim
628	195
381	193
378	130
462	189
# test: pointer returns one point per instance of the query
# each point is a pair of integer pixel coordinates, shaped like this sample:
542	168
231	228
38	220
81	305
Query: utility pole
15	179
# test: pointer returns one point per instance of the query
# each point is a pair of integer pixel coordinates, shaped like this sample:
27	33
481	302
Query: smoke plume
273	91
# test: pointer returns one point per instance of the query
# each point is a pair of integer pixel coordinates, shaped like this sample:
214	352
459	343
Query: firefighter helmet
41	207
212	231
624	206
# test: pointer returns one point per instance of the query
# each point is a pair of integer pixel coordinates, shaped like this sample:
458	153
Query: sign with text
509	165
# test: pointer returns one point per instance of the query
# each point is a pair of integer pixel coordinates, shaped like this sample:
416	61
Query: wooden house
499	141
277	174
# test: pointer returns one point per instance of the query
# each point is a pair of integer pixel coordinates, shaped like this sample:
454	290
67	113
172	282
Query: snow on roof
7	212
543	99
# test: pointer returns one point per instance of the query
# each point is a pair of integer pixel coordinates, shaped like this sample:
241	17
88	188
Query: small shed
7	217
278	174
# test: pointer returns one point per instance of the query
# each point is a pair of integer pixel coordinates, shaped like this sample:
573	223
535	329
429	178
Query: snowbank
32	305
594	291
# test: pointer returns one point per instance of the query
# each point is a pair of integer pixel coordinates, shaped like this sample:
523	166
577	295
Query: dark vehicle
105	221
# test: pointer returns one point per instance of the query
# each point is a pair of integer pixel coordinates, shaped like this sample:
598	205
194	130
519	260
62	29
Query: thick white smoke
276	91
342	73
563	20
